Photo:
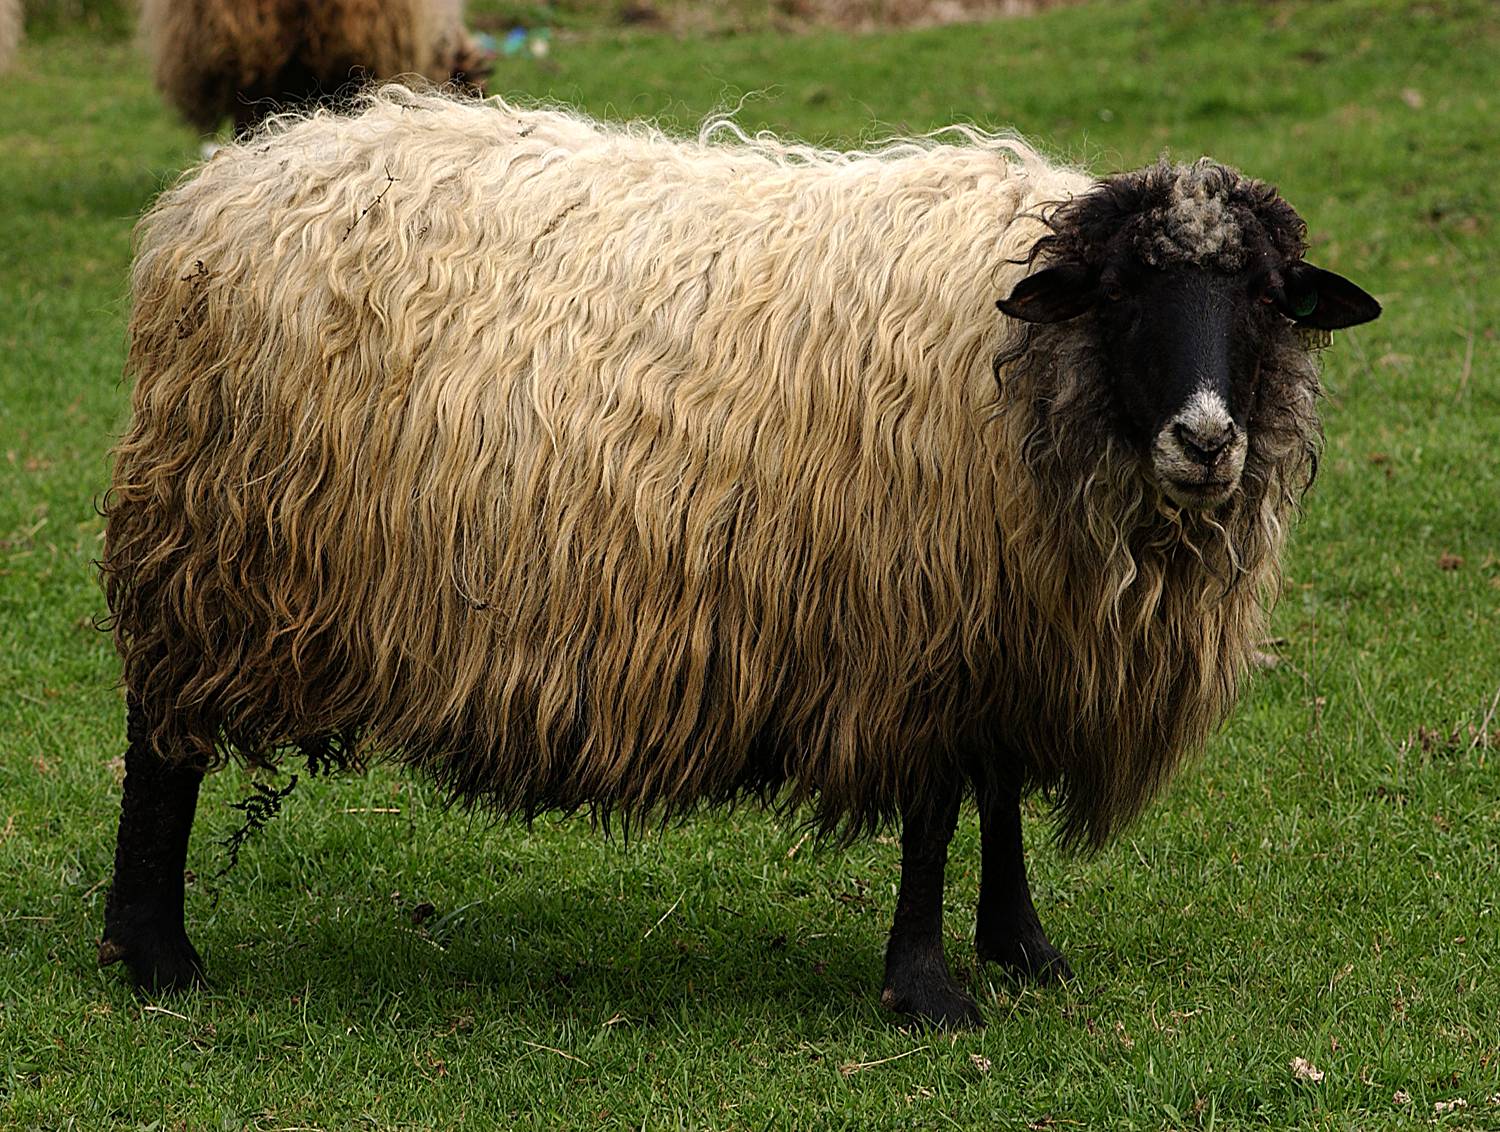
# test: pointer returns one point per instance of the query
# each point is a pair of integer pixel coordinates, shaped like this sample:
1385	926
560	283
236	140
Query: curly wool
1129	621
209	57
12	29
587	467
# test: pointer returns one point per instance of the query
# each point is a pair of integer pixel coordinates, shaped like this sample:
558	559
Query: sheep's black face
1182	346
1189	277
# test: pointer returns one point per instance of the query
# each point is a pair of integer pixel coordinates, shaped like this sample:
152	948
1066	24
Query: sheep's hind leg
1008	930
143	922
917	981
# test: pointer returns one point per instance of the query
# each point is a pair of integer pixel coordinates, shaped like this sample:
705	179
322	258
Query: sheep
12	30
583	467
246	59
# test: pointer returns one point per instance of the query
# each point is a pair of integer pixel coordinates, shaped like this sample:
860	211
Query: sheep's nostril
1203	446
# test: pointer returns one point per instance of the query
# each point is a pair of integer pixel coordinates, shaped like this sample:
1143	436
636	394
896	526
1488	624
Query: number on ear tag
1314	339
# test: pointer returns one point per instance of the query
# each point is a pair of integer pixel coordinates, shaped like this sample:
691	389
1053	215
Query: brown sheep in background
584	467
245	59
12	30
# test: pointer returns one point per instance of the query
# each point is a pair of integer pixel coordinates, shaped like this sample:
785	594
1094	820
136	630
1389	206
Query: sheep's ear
1054	294
1321	300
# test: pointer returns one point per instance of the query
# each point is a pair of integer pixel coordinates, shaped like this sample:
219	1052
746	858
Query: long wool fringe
585	466
206	55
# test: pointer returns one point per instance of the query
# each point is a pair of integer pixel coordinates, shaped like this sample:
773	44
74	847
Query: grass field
1323	885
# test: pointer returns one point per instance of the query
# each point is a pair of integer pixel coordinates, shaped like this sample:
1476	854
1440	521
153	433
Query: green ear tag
1306	305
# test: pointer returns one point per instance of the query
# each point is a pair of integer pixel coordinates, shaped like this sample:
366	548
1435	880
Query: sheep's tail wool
583	466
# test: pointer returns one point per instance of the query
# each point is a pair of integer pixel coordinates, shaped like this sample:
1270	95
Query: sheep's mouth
1199	493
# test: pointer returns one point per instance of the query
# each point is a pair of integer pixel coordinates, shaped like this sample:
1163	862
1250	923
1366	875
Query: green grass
1318	886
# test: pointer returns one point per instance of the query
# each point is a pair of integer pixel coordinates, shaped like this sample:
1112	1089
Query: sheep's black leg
143	916
917	981
1008	930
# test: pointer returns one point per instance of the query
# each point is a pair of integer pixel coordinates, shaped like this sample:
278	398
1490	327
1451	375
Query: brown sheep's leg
1008	930
917	981
143	915
248	115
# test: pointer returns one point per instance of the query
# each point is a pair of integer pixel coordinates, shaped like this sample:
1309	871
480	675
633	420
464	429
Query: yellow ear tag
1314	339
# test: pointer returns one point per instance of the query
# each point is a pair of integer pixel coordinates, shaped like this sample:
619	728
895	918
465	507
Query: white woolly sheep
585	467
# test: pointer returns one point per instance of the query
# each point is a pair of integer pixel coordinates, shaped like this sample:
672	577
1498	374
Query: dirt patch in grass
689	17
871	15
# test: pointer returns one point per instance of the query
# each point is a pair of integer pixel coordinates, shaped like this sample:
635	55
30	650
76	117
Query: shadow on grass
574	958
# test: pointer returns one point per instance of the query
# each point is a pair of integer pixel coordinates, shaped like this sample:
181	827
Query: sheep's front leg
1008	930
143	922
917	981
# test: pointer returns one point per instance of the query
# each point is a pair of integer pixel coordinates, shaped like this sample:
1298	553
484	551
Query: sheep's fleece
584	466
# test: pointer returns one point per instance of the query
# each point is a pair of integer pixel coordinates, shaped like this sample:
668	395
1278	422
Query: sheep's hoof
160	962
934	1002
1030	958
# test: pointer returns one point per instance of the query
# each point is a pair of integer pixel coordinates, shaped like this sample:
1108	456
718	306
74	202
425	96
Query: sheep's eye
1112	290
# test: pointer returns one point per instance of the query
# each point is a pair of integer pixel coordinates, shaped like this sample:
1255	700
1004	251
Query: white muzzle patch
1199	454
